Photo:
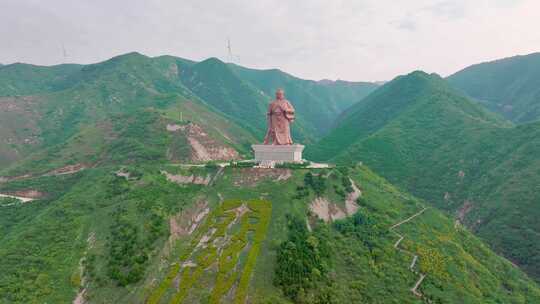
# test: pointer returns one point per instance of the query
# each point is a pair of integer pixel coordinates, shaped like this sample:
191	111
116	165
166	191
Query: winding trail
422	276
409	218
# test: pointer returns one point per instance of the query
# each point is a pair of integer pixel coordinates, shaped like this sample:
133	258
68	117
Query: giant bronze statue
280	115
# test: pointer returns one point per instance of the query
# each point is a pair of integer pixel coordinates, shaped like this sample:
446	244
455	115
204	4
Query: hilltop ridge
432	140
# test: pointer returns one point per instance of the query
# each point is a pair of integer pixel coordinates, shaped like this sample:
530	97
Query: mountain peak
508	86
128	57
133	54
423	75
212	60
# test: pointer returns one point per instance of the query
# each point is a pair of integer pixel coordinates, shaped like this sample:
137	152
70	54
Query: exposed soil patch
328	211
5	179
350	202
203	147
121	173
34	194
463	210
187	179
252	176
69	169
174	127
23	199
80	297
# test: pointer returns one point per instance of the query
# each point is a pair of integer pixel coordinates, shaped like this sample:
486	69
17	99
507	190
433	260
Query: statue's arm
289	112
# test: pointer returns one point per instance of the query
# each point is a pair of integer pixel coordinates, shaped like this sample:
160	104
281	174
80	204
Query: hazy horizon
348	40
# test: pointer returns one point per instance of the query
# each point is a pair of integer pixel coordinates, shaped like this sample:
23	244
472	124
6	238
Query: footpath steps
422	276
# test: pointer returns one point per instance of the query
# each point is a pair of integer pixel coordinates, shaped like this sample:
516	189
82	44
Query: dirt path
22	199
83	288
216	176
416	293
408	219
415	257
350	202
70	169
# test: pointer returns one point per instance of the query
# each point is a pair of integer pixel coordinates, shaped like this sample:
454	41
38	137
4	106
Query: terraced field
222	252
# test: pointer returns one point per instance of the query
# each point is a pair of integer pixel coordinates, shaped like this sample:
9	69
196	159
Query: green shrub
317	183
302	260
301	165
242	164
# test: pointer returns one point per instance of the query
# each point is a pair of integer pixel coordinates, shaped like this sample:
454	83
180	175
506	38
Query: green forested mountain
130	207
426	137
107	237
97	113
320	102
27	79
417	96
219	86
47	111
509	86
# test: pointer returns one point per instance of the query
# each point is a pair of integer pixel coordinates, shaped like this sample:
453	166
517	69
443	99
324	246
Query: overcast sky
315	39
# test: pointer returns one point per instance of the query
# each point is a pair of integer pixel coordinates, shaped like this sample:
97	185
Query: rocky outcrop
328	211
203	147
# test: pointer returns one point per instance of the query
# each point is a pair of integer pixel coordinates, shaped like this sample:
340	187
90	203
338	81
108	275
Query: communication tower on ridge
64	51
229	49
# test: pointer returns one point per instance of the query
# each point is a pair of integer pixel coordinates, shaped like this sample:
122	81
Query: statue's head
280	94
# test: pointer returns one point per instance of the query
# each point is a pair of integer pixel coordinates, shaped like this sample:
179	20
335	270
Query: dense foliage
130	228
317	103
509	86
426	137
303	263
315	182
104	231
129	250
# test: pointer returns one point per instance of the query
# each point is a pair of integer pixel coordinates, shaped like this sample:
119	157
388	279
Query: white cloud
356	40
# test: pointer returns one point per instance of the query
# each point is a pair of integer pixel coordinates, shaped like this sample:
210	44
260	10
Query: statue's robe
280	115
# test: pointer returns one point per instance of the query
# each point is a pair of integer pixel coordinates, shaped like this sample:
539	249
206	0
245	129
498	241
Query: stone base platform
269	155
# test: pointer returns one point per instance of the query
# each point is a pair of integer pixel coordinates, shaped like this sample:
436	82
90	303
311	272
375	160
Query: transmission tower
64	52
229	49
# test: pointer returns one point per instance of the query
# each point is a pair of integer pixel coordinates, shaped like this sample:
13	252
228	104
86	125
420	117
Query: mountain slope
93	106
319	102
46	110
233	90
417	96
122	235
509	86
27	79
448	150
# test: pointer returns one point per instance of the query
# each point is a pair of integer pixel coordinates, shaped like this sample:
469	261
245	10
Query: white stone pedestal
268	155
